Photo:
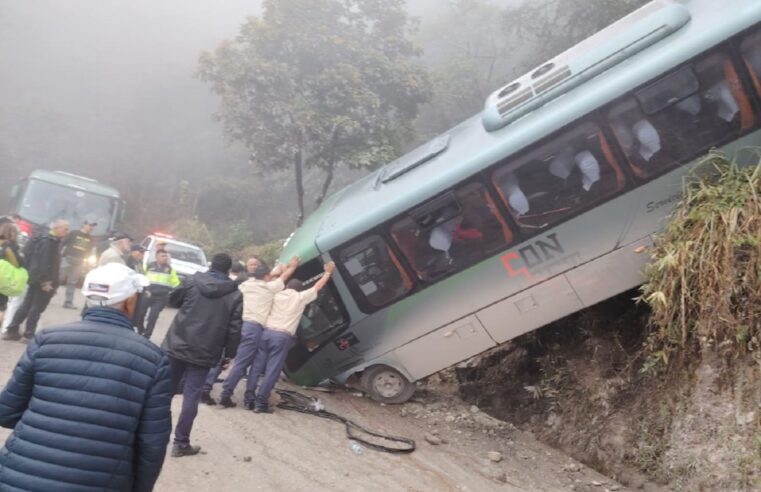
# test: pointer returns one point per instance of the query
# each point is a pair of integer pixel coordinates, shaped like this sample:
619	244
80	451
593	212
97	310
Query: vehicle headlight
92	261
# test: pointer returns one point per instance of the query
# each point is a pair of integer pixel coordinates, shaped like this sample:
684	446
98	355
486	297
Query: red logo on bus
518	263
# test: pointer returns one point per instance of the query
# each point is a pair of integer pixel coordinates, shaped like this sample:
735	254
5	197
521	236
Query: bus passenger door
446	346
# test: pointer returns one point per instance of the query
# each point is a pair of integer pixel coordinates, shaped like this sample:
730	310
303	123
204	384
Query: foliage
476	46
319	84
552	26
194	231
237	237
468	54
269	252
704	281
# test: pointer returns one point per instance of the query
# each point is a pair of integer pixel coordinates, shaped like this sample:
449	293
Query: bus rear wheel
387	385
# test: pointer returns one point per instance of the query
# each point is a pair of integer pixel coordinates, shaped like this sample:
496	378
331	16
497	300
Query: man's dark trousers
270	358
251	333
155	304
35	302
194	377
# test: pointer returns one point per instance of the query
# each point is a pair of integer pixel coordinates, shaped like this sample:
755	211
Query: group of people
58	258
41	257
90	401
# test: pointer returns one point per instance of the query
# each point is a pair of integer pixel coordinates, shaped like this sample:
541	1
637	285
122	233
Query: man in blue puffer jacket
89	402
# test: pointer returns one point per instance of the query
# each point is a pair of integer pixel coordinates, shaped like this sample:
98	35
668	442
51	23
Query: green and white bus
538	207
44	196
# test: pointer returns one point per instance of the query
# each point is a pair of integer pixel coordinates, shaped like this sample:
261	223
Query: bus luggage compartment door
609	275
530	309
442	348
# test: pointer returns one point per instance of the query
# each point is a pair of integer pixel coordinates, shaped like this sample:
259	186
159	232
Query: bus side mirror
14	191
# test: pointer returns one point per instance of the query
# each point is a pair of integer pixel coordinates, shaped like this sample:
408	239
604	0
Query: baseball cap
121	235
112	284
137	247
90	222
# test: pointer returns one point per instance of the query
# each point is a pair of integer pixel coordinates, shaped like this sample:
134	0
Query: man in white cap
89	401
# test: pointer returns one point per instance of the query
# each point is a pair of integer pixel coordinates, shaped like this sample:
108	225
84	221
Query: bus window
322	318
682	115
451	232
751	52
373	271
560	177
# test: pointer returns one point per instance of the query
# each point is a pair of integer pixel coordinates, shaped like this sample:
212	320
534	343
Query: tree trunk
331	165
298	168
325	185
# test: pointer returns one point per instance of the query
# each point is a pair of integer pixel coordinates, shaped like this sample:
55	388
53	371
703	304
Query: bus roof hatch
419	156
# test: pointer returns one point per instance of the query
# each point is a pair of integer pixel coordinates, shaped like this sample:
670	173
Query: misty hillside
108	90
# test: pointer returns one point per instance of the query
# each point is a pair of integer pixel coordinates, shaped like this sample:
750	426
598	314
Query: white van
186	258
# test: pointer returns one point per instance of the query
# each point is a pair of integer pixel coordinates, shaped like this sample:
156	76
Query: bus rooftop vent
410	161
594	55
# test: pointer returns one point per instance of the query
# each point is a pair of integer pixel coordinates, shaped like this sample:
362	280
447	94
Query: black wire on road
293	400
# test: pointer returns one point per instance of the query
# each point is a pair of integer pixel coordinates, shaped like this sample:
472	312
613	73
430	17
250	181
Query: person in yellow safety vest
163	279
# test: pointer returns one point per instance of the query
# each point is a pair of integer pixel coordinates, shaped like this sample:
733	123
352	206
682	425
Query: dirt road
290	451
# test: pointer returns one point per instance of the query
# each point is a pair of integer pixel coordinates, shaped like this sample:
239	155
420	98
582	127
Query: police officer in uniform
163	279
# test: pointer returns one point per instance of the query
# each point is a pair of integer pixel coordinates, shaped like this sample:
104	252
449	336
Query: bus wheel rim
388	384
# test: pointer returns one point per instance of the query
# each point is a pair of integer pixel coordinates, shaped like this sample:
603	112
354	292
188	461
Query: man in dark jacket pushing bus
89	402
206	327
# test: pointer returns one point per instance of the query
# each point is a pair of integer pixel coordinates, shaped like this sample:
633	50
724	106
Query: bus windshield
186	253
44	202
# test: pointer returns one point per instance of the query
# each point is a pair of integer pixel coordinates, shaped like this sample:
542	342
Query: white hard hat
112	284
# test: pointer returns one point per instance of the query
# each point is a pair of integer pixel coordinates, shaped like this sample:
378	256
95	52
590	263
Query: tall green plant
704	281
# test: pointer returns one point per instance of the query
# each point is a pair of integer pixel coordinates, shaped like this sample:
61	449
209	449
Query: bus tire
385	384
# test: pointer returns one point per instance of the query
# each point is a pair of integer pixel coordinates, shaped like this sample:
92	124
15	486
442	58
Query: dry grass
704	280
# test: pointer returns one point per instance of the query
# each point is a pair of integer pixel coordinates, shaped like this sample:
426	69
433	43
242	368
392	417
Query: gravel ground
459	447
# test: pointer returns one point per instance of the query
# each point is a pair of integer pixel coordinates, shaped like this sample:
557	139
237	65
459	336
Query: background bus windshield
43	202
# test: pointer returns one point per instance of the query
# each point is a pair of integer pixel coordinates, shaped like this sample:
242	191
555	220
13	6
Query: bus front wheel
387	385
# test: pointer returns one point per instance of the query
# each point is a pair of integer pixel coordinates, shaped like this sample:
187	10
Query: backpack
12	279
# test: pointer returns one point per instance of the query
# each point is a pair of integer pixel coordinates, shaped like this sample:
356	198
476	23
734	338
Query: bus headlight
92	261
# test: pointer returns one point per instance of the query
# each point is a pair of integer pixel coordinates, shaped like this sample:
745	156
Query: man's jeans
211	378
194	377
71	269
270	358
249	343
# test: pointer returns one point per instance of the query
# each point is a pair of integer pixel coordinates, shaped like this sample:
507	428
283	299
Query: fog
107	89
92	86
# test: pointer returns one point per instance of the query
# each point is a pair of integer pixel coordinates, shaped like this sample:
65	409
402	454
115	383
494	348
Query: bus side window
451	232
560	177
373	271
751	52
321	320
681	115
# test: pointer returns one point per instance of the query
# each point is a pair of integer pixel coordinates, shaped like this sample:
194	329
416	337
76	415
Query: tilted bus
540	206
